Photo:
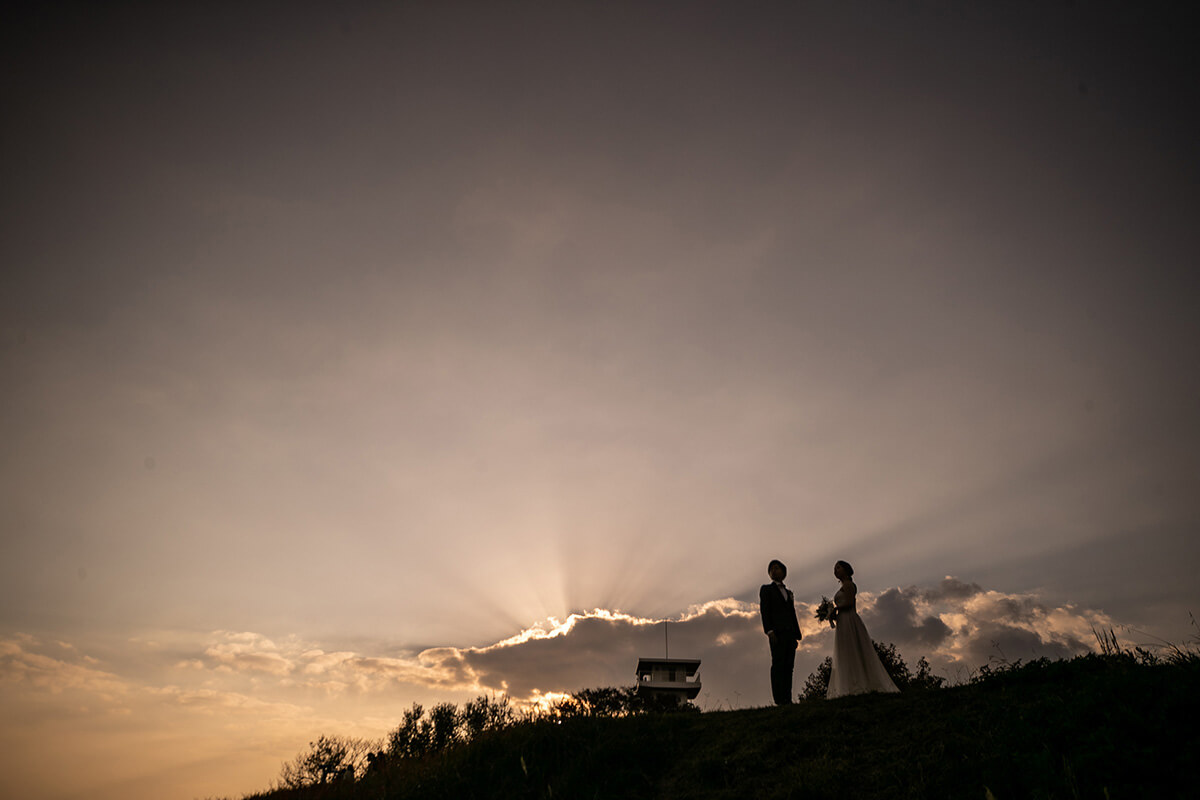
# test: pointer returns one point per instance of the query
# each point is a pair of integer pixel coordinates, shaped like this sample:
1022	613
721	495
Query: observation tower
671	679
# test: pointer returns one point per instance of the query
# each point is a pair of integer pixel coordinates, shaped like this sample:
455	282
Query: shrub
612	701
817	683
925	679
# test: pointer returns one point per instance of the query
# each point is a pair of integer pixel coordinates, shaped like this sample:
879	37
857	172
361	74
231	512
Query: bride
856	666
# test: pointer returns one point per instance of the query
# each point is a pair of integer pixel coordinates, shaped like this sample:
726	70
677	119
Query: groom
779	621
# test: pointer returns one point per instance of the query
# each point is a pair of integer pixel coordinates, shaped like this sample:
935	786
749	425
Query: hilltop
1094	726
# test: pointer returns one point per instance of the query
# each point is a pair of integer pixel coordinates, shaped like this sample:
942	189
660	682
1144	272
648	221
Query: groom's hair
775	561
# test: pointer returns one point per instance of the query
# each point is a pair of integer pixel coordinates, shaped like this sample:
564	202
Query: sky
356	355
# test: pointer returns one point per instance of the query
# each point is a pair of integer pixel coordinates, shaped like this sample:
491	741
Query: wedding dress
856	666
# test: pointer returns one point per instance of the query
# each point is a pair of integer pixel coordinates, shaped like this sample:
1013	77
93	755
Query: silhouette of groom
778	608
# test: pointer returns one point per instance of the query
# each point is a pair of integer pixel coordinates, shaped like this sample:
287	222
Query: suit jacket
778	615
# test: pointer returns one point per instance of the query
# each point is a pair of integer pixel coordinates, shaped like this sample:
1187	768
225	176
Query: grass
1098	726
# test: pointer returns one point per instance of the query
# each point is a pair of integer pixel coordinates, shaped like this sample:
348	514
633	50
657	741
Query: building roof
689	665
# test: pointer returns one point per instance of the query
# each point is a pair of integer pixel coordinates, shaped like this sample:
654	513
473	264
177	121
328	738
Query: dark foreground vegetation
1115	724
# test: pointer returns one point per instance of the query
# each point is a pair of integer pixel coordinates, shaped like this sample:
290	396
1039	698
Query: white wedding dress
856	666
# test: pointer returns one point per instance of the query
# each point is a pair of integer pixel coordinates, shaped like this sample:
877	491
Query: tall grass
1168	652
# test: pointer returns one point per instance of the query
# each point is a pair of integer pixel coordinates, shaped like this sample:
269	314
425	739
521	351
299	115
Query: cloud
318	662
963	626
601	648
959	626
302	665
593	648
22	664
214	700
249	652
439	667
897	612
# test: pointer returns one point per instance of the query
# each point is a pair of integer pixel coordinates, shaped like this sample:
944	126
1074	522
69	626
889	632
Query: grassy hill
1092	727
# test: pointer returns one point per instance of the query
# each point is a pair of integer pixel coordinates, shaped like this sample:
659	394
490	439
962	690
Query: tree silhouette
328	760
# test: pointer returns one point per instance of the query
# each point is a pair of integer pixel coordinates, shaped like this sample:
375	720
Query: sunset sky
362	354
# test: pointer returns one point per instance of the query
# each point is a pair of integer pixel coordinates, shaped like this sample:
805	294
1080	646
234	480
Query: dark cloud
603	651
894	618
952	588
593	653
960	624
1000	643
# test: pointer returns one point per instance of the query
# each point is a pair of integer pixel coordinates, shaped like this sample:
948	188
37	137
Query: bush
817	683
613	701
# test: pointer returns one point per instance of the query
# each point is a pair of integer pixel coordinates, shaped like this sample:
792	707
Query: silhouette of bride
856	666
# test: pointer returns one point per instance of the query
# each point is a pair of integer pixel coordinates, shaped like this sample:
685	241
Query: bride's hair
846	566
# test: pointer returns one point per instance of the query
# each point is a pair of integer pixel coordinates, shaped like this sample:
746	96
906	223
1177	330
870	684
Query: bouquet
826	611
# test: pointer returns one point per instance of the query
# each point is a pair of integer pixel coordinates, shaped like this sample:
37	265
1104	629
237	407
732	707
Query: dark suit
779	615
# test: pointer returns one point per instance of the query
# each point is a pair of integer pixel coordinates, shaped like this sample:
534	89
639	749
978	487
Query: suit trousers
783	663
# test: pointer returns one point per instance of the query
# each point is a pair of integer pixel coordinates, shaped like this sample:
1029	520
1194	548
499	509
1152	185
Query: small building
668	678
